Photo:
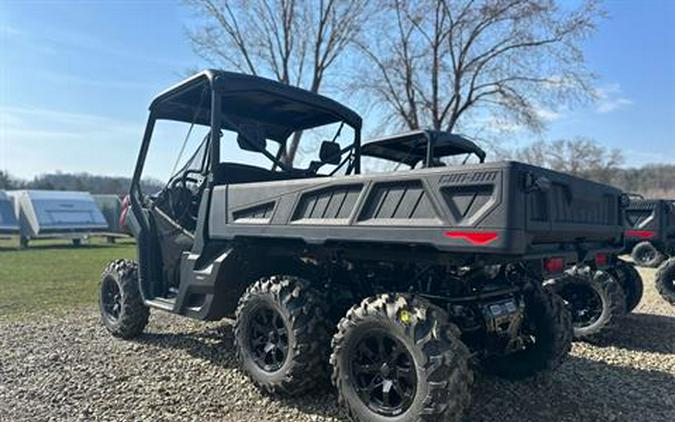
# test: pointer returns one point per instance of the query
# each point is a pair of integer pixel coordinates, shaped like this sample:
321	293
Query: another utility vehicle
432	271
650	230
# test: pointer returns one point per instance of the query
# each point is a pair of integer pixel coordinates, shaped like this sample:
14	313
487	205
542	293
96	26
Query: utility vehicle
431	272
597	299
650	230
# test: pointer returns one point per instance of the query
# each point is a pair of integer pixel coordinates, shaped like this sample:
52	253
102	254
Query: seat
232	173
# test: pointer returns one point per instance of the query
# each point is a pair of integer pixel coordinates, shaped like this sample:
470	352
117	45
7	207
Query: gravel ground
69	368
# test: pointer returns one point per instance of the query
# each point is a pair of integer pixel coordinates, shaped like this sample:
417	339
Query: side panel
413	207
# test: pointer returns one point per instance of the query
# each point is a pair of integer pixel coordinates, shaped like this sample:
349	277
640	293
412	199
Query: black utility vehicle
429	272
597	299
650	230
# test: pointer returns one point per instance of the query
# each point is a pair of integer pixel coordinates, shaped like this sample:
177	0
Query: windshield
174	148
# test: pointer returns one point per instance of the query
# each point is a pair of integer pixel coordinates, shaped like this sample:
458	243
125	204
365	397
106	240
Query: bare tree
579	156
444	63
295	42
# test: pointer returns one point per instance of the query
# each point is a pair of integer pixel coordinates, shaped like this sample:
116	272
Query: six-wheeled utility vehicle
597	299
431	273
650	230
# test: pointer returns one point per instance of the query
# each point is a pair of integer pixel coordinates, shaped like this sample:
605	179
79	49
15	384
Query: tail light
554	265
601	259
474	238
640	234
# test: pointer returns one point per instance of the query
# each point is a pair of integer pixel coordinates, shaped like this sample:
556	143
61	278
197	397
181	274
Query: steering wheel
183	201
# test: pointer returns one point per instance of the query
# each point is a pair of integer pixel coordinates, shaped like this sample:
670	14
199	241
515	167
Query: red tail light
601	259
641	234
554	265
475	238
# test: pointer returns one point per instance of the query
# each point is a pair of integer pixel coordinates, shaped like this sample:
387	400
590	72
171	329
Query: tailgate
562	208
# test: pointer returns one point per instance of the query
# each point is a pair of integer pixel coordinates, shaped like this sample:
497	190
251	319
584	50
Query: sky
76	78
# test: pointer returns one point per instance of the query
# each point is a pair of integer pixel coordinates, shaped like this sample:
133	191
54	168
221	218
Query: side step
161	303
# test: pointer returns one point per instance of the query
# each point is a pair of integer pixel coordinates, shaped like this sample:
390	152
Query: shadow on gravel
582	390
214	345
642	332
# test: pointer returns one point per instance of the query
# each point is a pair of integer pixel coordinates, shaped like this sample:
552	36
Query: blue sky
76	78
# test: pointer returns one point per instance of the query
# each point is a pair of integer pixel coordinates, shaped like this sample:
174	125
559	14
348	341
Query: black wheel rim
268	339
669	284
384	375
584	303
111	298
647	256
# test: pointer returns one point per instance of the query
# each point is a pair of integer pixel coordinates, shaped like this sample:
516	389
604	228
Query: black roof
280	109
411	147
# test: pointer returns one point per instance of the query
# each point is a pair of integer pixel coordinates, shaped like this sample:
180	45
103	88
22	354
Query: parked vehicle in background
418	276
56	214
650	230
9	225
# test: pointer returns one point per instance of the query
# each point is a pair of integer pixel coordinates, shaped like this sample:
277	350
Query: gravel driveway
69	368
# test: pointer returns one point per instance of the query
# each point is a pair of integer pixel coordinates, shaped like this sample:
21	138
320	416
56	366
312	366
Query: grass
53	275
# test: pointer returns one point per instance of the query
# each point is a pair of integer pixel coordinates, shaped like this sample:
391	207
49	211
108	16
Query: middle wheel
397	357
281	335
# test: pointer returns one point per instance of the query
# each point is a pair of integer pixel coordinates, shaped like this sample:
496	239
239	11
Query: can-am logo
474	177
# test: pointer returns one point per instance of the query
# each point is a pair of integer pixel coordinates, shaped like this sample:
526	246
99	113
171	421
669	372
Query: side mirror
251	139
330	153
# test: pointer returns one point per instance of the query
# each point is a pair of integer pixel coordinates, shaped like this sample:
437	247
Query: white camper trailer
9	226
45	214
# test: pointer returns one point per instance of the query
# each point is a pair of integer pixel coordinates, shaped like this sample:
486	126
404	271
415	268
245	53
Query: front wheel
122	309
547	327
397	357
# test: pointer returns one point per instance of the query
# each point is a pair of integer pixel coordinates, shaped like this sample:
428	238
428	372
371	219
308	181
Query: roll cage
257	109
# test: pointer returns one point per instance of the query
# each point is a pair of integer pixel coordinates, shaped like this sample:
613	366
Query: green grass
53	275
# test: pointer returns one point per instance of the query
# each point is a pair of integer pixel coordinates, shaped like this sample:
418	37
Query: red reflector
554	265
475	238
642	234
601	259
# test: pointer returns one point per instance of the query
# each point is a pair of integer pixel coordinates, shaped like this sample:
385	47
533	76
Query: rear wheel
594	298
281	335
646	255
631	282
397	357
122	309
665	281
548	326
